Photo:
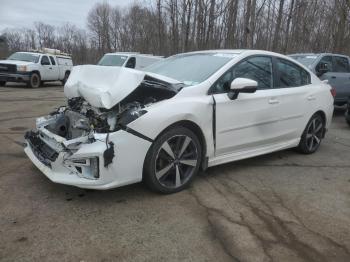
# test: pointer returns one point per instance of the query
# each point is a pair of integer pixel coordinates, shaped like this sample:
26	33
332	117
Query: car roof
318	54
236	51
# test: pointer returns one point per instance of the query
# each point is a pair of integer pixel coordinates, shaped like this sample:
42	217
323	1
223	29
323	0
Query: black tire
347	116
34	80
2	83
170	174
312	136
66	75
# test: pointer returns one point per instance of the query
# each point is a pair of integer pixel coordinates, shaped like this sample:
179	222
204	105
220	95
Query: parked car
190	111
129	60
332	67
35	68
347	112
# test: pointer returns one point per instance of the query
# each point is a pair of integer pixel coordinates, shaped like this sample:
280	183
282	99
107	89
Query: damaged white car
189	111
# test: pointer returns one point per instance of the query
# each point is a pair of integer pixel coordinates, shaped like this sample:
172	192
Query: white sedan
190	111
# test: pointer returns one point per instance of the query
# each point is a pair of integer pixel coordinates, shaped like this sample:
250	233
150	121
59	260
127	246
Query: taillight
333	92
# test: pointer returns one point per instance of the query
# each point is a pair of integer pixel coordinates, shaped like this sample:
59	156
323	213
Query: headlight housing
85	167
21	68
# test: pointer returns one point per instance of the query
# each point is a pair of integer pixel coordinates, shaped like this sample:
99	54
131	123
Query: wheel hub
176	161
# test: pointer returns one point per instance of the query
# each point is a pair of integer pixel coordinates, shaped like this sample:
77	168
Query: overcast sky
22	13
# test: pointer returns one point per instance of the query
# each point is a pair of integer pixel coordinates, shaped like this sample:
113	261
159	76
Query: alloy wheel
314	134
176	161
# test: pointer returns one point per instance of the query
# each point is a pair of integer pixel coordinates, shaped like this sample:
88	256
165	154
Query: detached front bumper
14	77
61	165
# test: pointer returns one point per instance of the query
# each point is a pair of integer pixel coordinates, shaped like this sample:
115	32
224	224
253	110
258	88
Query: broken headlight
130	115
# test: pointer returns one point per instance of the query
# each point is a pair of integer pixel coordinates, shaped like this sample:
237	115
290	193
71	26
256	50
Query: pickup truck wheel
2	83
66	75
34	81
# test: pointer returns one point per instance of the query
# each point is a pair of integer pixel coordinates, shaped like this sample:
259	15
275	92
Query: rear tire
172	161
2	83
34	80
312	136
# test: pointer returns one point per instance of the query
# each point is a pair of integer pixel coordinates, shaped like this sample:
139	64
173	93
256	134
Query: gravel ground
279	207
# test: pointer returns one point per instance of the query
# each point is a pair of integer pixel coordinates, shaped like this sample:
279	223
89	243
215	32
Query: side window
45	60
131	62
52	60
341	64
258	68
290	74
326	60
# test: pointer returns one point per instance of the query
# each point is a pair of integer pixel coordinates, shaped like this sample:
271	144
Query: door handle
50	67
310	98
334	77
273	101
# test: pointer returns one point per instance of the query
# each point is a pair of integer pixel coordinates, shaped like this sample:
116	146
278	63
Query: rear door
46	68
341	78
295	96
338	75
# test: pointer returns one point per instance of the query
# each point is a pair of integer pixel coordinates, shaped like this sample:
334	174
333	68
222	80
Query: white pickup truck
35	68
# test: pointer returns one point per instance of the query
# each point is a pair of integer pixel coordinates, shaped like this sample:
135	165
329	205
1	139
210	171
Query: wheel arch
37	72
195	128
323	115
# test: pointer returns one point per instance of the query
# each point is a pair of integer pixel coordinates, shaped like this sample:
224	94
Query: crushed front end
90	146
87	147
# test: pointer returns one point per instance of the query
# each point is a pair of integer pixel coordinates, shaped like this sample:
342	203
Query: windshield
112	60
24	57
306	60
191	69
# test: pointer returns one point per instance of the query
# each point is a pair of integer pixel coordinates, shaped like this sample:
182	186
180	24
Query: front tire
312	136
34	80
173	160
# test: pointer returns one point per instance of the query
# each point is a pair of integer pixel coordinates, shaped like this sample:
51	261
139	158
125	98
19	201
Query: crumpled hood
104	86
15	62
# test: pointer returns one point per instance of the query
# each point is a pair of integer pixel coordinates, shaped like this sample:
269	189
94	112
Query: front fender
198	110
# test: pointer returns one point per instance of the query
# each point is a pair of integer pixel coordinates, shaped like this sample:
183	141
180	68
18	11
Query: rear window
52	60
291	75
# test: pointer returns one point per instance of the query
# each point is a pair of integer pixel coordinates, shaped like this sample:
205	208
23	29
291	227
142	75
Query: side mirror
322	68
242	85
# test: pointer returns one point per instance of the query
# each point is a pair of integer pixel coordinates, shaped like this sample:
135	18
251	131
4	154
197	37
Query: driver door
46	69
250	121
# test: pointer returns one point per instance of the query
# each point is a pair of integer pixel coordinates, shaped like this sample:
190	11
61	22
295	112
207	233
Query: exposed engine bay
78	118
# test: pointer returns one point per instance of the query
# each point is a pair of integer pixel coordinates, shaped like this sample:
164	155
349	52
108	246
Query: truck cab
35	68
130	60
332	67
